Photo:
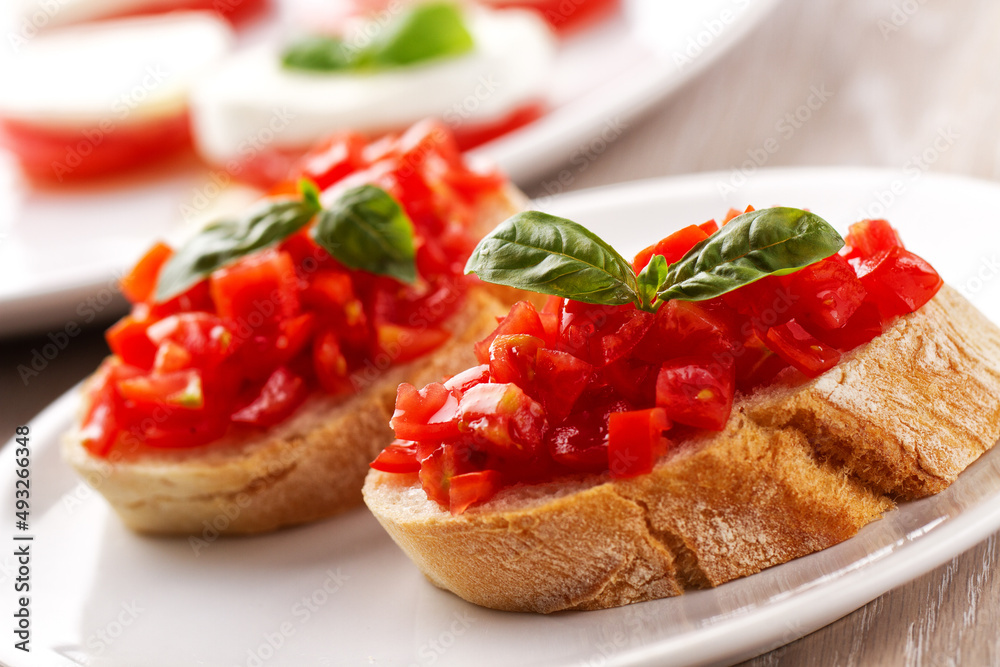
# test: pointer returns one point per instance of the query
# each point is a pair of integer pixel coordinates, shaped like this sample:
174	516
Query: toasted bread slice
799	467
310	466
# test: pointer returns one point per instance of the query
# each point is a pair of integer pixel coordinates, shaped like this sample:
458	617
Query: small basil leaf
549	255
367	229
424	32
772	241
223	242
310	193
650	279
317	54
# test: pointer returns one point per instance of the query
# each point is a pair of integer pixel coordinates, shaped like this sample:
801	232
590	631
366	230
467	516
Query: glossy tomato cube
673	247
259	289
503	421
635	440
560	378
827	292
472	487
697	391
513	359
793	343
868	238
399	457
430	414
899	281
521	319
277	399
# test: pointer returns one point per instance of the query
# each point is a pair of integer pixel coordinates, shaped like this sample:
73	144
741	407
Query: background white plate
340	592
62	246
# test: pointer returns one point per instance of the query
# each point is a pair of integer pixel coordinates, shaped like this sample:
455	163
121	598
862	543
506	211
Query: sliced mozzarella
126	70
251	100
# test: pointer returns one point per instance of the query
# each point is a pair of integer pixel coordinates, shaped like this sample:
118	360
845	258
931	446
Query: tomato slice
636	440
399	457
139	284
793	343
42	150
281	394
472	487
697	391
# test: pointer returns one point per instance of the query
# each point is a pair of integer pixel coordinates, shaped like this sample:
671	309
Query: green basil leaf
650	279
367	229
549	255
223	242
317	54
767	242
423	32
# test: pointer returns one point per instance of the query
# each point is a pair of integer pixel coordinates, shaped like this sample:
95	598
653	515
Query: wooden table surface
887	77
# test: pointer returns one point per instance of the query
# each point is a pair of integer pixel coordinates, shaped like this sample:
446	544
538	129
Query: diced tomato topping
899	281
512	358
472	487
522	319
672	248
583	388
129	341
697	391
257	290
709	227
636	440
507	422
139	284
281	394
801	349
868	238
246	345
398	457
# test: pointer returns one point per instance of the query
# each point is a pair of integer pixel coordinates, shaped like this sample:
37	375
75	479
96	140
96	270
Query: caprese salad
483	72
105	97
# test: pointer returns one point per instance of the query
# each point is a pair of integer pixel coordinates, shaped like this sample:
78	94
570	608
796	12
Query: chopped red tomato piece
472	487
281	394
522	319
672	247
258	289
330	363
709	227
697	391
868	238
398	457
180	389
404	344
508	423
512	358
636	440
140	283
899	281
129	341
428	414
171	357
801	349
560	379
827	293
337	157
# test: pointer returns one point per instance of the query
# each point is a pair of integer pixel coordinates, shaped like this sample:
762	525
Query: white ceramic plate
341	593
62	248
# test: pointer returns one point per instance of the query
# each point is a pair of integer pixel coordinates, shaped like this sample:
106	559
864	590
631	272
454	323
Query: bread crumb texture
798	468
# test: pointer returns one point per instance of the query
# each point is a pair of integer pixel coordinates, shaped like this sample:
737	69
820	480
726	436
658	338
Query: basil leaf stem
766	242
549	255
